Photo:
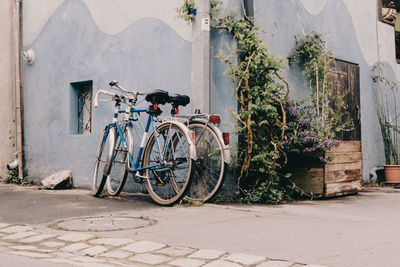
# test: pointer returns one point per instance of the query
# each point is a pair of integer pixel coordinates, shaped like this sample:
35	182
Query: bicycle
164	160
213	153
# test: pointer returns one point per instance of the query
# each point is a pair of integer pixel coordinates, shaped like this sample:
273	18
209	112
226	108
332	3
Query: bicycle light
216	119
225	136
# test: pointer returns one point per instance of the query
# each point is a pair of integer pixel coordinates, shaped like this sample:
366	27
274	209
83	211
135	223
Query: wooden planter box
341	176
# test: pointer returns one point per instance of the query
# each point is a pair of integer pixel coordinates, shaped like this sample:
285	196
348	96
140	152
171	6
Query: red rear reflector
225	136
176	110
193	136
155	106
216	119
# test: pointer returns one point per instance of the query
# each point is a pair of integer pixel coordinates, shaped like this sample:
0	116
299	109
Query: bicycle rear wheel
209	169
120	161
103	161
169	165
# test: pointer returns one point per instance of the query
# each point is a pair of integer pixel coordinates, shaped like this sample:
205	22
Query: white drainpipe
17	31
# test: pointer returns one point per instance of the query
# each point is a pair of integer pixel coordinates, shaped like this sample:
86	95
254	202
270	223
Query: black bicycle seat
179	100
157	96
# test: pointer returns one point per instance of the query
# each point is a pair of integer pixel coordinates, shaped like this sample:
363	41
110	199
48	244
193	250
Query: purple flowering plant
306	134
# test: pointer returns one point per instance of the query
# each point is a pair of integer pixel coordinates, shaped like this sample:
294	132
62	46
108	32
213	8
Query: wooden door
344	81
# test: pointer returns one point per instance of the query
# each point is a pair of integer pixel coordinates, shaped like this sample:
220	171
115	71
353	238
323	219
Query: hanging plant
188	10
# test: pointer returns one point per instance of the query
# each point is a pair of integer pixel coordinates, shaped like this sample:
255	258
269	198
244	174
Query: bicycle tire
103	161
168	154
120	163
209	169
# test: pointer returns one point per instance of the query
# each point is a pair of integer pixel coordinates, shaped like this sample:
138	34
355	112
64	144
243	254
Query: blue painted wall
148	54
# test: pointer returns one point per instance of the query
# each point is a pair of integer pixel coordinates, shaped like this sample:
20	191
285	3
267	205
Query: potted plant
385	100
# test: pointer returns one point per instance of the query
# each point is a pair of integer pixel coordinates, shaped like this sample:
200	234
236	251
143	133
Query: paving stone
37	238
187	262
30	254
58	260
115	242
23	247
148	258
207	254
74	247
244	259
16	229
75	237
52	244
45	250
222	263
93	251
314	265
86	259
64	255
21	235
276	264
93	264
143	246
176	251
2	225
118	254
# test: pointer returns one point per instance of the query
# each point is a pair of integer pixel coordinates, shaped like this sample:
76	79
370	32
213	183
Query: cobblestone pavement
87	249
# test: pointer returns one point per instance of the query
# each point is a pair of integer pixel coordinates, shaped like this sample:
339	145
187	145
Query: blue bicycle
164	159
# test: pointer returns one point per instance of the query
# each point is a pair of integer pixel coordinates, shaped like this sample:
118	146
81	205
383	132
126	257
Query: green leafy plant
386	106
188	10
12	177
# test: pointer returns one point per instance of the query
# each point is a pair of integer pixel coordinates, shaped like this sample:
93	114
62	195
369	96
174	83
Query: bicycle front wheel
103	161
120	161
209	169
168	164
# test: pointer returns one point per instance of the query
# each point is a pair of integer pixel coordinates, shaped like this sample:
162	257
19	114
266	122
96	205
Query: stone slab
143	246
75	237
52	244
176	251
21	235
58	180
118	254
16	229
222	263
151	259
207	254
75	247
94	251
187	262
276	264
115	242
37	238
244	259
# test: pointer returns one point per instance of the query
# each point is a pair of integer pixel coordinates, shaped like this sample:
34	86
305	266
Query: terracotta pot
392	173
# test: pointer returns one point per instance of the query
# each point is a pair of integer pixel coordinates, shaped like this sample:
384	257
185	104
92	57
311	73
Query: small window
81	107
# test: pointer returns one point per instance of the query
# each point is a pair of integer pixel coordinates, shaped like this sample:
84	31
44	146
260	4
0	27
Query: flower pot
392	173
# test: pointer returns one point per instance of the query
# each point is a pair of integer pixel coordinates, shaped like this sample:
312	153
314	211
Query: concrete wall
139	43
354	34
6	87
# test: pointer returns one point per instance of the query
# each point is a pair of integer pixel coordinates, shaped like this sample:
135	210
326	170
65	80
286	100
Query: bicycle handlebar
100	92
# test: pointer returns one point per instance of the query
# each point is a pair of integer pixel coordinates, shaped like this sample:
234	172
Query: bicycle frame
128	122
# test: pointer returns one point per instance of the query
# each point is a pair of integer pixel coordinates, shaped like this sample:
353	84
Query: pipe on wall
17	32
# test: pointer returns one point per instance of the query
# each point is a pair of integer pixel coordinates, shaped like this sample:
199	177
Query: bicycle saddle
157	96
179	100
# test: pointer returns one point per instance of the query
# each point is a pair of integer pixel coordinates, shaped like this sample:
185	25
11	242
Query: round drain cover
103	223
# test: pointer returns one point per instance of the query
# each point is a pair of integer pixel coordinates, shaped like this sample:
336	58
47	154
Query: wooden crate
341	176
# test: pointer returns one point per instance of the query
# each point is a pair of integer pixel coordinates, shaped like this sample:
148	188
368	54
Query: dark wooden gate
344	80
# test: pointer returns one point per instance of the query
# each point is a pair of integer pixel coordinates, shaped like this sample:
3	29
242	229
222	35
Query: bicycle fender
188	135
226	149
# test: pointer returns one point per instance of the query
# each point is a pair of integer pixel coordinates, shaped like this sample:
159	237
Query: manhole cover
103	223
